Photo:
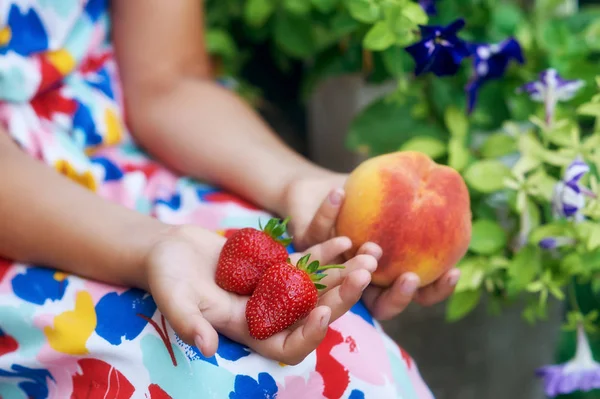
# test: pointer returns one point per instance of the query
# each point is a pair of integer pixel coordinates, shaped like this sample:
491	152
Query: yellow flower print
5	36
86	179
62	60
114	127
73	328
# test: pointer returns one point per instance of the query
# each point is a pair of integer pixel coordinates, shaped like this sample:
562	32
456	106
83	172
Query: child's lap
65	335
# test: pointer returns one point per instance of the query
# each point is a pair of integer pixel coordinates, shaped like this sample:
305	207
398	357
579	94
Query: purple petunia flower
550	89
569	196
428	6
490	61
555	242
581	373
440	50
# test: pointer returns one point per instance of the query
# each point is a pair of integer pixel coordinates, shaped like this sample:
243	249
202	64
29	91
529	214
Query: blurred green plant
535	236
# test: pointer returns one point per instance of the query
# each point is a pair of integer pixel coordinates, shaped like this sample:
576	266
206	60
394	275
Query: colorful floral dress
63	336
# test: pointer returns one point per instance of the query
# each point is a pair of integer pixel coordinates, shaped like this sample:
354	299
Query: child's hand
181	277
313	205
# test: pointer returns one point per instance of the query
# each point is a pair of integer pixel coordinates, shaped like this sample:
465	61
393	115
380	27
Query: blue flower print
227	349
84	124
356	394
360	309
36	380
39	284
111	171
174	202
247	387
123	316
102	81
440	50
27	33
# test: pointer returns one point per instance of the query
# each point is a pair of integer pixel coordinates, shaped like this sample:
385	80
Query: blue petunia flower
581	373
490	62
428	6
440	50
568	199
550	89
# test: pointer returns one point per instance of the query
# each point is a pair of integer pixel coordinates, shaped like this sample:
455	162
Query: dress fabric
62	336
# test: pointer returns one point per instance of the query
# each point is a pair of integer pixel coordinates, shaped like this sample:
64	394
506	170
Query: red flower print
7	343
5	264
406	357
335	376
98	379
51	102
156	392
226	197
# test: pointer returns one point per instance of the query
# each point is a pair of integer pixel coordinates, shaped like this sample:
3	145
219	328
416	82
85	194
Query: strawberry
247	253
284	295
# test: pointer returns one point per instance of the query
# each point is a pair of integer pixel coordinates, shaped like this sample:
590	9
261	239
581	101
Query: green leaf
461	303
415	13
325	6
379	37
221	43
257	12
471	274
320	286
298	7
364	10
293	34
430	146
393	59
589	109
458	154
592	36
487	176
383	126
498	145
456	122
523	268
487	237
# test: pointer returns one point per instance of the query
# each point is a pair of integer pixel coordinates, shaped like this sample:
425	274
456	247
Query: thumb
323	223
184	315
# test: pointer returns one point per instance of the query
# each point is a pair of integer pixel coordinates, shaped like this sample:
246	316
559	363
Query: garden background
505	91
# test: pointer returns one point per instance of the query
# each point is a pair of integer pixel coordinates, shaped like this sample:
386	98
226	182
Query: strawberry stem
275	228
315	271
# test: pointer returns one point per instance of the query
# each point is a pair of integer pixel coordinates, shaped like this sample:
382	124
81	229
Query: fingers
342	297
185	317
439	290
291	347
334	277
323	223
327	251
389	302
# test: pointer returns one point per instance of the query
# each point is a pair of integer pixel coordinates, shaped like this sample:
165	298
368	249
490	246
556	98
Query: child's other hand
313	205
181	277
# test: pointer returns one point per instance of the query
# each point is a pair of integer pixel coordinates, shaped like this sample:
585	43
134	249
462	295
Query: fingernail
409	286
365	285
453	278
198	342
324	321
335	197
376	252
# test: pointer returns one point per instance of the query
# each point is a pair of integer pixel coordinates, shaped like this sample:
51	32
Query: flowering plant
503	91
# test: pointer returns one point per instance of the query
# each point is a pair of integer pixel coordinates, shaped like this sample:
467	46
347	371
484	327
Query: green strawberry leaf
320	286
314	265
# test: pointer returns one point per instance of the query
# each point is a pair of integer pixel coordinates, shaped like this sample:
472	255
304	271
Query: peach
418	211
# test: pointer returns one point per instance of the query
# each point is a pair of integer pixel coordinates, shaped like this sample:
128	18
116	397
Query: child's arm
49	220
180	116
